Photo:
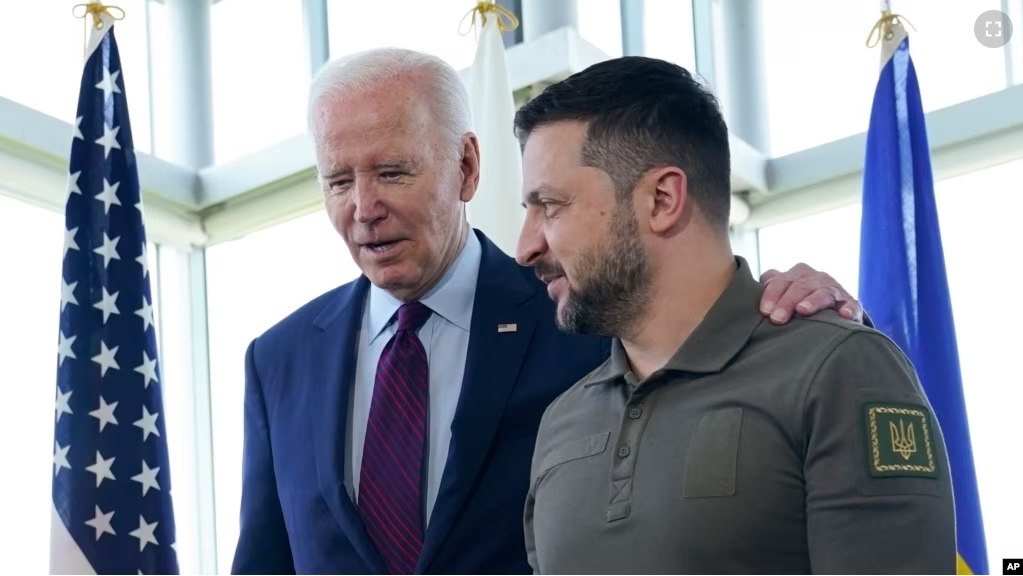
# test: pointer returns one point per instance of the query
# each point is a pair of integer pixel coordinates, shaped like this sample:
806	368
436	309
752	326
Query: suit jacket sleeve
878	488
263	545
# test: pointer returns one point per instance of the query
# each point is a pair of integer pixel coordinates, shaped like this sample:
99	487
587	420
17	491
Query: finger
772	292
852	310
766	276
818	300
795	293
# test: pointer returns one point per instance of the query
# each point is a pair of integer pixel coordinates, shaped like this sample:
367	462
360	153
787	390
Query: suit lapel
492	367
337	351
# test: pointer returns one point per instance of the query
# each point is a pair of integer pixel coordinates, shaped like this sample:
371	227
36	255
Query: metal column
192	81
317	34
542	16
632	28
192	147
743	99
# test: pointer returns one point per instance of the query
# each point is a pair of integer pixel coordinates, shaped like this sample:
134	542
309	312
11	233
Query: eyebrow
403	164
533	197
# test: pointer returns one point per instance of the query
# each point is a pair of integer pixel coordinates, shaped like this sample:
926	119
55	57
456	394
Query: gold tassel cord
97	9
506	21
883	27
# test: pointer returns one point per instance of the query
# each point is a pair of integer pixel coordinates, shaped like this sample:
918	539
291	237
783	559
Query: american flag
111	479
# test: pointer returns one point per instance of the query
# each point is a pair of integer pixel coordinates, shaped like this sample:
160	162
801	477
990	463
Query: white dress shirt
445	335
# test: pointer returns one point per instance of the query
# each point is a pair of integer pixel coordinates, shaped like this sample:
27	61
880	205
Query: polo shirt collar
721	335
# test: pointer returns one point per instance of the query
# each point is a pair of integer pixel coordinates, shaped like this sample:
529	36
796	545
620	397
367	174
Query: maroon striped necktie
390	484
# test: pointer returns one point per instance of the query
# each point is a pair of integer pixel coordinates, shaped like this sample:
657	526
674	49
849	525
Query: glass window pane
43	44
821	76
668	32
31	241
431	27
828	241
252	284
260	75
600	23
978	213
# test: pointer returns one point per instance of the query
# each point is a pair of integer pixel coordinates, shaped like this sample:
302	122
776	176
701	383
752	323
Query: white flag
496	208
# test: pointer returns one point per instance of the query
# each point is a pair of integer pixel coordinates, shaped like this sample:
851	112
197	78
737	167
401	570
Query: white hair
442	86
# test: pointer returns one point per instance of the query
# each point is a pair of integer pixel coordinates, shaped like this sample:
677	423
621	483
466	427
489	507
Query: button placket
633	422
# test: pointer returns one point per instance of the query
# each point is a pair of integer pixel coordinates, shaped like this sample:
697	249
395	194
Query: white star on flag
109	83
105	413
69	240
143	259
108	250
62	403
101	522
108	304
146	313
106	358
109	195
60	458
145	533
72	183
64	348
67	294
101	469
147	423
147	478
147	369
109	140
78	129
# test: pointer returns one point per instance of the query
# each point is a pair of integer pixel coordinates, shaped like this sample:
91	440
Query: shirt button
635	413
623	451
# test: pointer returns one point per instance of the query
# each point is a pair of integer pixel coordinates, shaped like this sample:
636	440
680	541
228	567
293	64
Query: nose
366	199
532	242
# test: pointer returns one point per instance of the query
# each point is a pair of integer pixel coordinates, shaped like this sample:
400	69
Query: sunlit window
431	27
668	32
600	23
821	76
260	76
43	45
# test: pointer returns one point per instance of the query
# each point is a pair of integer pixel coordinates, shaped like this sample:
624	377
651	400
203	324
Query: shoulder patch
899	440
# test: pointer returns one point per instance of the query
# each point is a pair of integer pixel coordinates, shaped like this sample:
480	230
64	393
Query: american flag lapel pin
507	327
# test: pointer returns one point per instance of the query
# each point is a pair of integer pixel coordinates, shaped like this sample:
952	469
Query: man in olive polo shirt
712	440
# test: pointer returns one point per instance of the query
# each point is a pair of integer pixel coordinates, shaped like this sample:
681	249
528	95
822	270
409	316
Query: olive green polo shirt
808	447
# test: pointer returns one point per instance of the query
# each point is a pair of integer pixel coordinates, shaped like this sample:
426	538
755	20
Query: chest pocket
574	450
712	455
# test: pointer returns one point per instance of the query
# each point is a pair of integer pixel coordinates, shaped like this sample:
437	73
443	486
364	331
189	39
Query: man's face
583	243
393	186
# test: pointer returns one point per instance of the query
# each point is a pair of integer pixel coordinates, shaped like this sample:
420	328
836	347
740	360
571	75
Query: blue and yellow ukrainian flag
902	269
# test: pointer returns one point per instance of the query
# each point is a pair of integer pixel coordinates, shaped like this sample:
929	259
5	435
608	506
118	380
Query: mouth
381	248
554	285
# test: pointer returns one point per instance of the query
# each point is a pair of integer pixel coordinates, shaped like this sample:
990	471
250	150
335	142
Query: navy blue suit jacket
296	515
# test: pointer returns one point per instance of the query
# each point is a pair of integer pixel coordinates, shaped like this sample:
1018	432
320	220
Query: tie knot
412	316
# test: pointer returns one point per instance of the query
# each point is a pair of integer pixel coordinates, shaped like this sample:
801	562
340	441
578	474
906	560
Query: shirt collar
452	298
721	335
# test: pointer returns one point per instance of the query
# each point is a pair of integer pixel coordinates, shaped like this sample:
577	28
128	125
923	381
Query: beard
614	282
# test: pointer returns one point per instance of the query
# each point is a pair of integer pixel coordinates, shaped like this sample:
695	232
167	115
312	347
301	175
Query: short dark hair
642	113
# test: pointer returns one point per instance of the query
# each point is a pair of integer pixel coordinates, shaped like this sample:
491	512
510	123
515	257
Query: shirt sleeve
878	488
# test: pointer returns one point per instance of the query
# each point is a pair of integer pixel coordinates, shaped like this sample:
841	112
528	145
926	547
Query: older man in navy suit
390	423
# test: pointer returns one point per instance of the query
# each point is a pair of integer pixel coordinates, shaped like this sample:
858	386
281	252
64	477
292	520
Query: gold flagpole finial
883	26
97	9
505	19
